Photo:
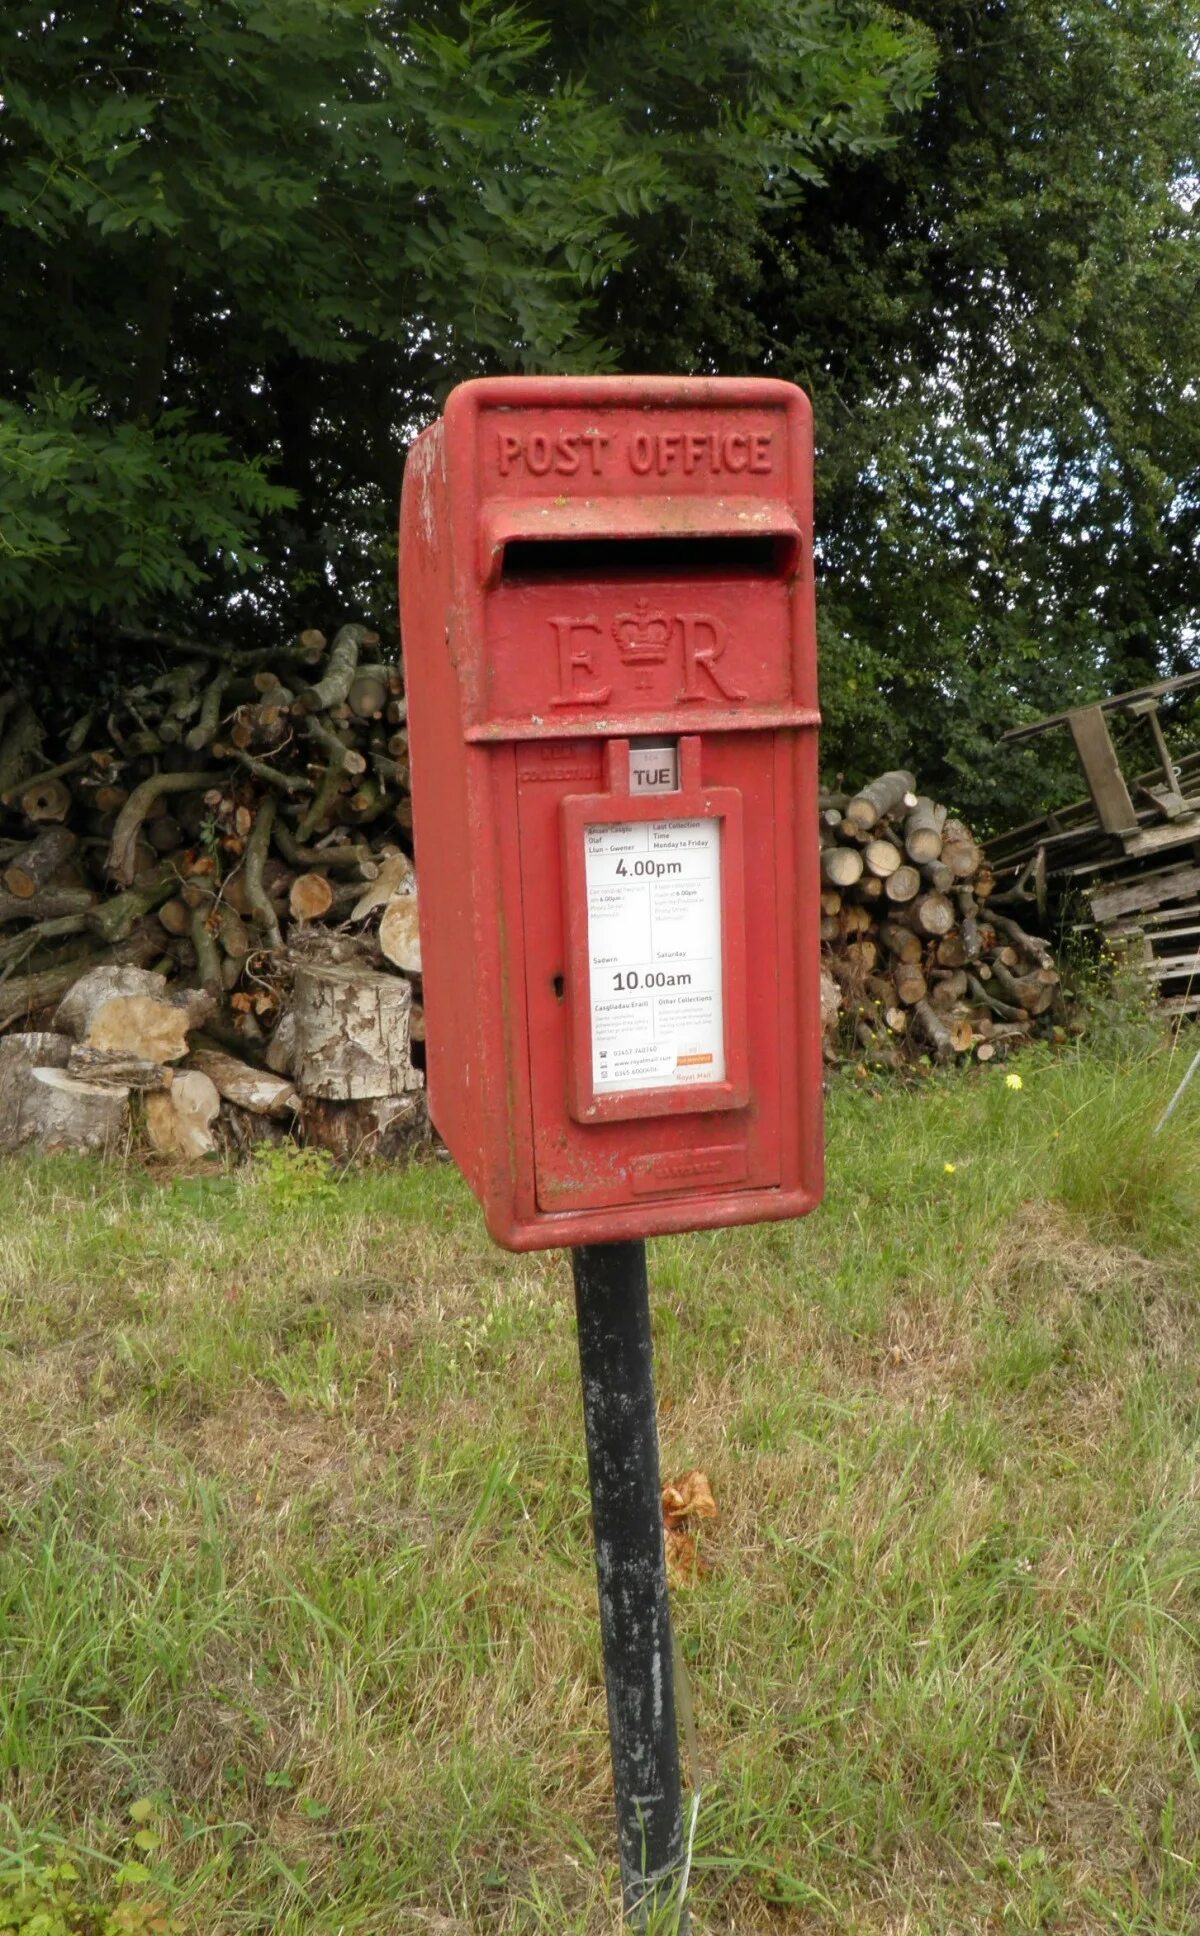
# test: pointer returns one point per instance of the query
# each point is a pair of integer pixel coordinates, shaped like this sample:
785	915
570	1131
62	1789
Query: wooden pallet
1131	849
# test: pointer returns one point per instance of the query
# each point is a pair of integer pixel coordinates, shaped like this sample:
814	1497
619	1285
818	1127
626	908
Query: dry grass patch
296	1540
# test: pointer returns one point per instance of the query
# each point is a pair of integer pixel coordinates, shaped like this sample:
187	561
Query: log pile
926	966
208	922
207	912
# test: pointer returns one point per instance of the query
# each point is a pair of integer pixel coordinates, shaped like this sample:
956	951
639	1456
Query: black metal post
613	1308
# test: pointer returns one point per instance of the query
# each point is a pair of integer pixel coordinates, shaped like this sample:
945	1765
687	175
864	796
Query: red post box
607	608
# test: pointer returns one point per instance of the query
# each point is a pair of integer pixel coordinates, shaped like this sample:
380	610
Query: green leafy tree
1000	322
250	243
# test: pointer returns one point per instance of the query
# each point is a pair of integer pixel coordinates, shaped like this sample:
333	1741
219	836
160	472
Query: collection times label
654	954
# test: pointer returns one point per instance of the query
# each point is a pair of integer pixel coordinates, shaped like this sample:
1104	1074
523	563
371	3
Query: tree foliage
250	243
997	319
1000	322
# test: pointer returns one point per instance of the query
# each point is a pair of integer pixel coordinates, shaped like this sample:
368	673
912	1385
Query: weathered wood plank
1145	891
1157	840
1112	704
1164	968
1101	770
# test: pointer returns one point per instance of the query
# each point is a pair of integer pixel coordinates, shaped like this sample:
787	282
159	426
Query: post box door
652	1141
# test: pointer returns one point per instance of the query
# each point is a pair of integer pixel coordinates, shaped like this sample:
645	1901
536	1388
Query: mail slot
607	610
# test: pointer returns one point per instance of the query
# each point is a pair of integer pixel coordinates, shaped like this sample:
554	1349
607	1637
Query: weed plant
295	1549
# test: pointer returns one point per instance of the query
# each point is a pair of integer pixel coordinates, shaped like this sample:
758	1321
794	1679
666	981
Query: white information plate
654	954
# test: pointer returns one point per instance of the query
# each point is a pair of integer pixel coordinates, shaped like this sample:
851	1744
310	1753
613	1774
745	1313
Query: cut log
131	1010
959	850
923	831
206	953
234	935
340	667
1029	992
205	730
393	877
862	956
51	905
115	919
951	953
255	1090
400	934
164	833
379	1126
949	989
46	1106
34	994
122	853
116	1069
1005	1011
368	694
281	1049
310	897
881	797
254	877
910	984
904	885
48	800
346	758
841	866
175	915
932	914
831	1002
901	943
41	861
179	1121
882	857
36	1048
936	1030
1030	945
352	1033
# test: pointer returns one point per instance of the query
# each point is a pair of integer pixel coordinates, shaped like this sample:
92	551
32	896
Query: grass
295	1554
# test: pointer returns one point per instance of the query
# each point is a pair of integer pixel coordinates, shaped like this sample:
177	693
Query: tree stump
375	1126
352	1033
44	1105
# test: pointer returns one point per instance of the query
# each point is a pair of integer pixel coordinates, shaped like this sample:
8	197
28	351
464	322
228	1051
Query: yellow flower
949	1168
1013	1082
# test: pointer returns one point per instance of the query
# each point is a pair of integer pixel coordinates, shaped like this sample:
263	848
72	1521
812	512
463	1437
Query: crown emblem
642	638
